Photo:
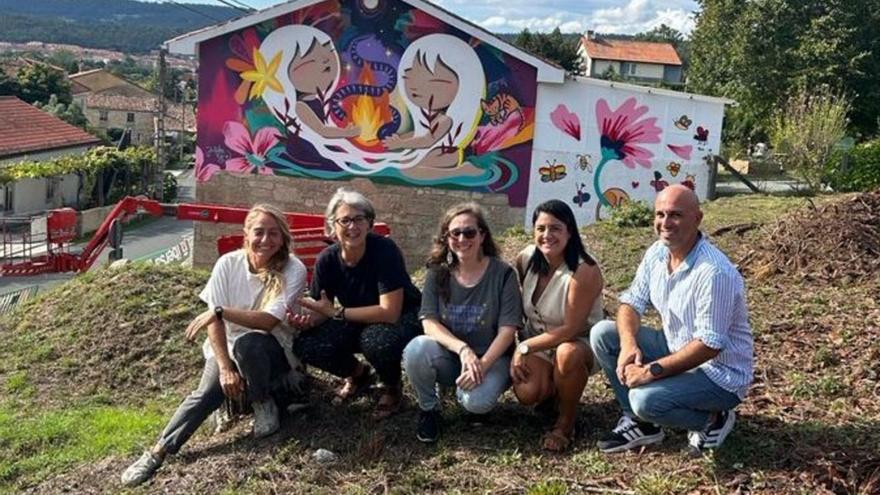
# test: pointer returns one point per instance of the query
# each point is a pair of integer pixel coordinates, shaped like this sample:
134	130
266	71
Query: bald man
693	372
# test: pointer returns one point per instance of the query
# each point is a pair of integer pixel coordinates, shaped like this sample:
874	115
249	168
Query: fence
10	300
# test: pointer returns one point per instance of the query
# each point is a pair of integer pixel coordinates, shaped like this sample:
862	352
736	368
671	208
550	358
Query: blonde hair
272	275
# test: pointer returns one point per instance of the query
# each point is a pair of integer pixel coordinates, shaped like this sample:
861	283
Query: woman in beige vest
562	300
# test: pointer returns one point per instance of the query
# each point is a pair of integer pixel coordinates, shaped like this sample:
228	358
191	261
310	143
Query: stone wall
411	212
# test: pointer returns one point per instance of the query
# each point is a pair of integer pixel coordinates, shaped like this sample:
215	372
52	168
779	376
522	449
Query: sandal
355	385
556	441
389	403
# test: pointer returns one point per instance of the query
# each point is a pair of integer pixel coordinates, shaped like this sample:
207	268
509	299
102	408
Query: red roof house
644	61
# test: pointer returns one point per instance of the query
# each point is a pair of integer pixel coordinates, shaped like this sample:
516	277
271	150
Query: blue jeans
428	363
681	401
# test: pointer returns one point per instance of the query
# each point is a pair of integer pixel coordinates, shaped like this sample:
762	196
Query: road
149	238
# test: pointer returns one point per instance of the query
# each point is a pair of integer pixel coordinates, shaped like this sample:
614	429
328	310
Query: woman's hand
323	306
301	321
519	370
199	322
471	369
232	384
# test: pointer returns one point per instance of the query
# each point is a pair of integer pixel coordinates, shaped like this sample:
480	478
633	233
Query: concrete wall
411	212
29	196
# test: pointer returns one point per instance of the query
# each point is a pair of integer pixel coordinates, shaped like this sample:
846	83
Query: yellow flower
263	75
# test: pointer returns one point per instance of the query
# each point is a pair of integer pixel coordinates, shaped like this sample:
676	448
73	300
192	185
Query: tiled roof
118	102
25	128
631	51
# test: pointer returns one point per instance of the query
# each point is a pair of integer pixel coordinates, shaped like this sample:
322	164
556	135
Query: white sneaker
265	418
141	470
713	435
222	420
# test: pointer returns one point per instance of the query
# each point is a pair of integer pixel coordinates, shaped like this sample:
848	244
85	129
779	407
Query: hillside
91	371
124	25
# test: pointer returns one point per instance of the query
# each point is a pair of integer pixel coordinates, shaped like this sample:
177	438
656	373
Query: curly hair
272	275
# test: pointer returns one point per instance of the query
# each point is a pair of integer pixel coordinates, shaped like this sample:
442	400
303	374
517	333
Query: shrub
632	214
859	171
169	189
805	131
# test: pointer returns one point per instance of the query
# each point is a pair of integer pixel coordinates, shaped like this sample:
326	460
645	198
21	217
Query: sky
605	16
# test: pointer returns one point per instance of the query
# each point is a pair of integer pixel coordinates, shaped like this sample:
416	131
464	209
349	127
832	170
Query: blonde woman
246	350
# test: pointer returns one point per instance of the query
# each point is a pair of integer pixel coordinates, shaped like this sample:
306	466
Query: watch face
523	348
656	369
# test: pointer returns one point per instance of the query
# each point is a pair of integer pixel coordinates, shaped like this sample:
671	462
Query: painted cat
500	107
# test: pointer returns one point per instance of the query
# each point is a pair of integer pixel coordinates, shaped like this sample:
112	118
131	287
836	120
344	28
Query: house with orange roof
30	134
637	61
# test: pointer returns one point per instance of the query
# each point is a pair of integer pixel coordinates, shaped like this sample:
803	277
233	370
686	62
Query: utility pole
160	127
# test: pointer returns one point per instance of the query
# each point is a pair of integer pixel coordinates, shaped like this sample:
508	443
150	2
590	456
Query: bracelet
462	348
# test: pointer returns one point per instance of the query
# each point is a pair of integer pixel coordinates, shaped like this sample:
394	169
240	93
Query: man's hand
519	370
233	385
637	375
628	356
199	322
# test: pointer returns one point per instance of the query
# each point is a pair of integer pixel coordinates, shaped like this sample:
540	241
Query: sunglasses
468	233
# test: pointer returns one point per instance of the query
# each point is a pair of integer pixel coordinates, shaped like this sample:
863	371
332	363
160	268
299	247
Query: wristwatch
523	348
339	314
656	369
218	312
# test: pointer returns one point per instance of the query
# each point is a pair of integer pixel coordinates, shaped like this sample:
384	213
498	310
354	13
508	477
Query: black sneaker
428	429
630	433
713	435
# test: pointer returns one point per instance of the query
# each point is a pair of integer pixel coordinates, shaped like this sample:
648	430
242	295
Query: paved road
147	239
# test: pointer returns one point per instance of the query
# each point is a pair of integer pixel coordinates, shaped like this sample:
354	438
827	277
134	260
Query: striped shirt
703	299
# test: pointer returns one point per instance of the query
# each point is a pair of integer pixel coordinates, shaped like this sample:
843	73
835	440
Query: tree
8	85
39	82
553	46
71	113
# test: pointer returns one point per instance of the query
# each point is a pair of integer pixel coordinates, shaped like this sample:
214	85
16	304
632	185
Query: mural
617	145
371	88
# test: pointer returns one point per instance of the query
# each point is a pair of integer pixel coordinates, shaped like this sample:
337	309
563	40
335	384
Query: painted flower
204	171
622	132
255	151
263	74
683	151
243	46
566	121
496	137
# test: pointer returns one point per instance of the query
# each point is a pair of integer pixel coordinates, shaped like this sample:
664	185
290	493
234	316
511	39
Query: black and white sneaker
630	433
713	435
428	429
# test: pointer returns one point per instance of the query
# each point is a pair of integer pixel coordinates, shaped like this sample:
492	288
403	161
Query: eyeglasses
468	233
347	221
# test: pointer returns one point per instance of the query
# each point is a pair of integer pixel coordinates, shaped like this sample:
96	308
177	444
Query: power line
193	10
250	9
246	9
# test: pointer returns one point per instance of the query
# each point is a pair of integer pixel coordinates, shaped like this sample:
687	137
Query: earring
450	258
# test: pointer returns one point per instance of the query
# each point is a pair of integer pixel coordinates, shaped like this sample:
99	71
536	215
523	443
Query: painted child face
314	71
429	90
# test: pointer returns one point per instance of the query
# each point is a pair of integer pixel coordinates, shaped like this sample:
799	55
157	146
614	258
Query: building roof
186	44
102	80
25	128
631	51
102	101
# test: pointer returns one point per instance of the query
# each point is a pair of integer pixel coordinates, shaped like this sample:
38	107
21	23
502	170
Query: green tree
8	85
553	46
39	82
71	113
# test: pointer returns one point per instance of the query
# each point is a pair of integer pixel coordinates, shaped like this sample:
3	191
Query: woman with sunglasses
375	310
247	352
562	300
470	312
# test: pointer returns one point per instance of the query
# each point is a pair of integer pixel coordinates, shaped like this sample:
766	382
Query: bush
169	188
632	214
860	171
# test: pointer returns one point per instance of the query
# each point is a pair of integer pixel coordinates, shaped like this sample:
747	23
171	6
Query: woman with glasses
562	300
362	301
470	312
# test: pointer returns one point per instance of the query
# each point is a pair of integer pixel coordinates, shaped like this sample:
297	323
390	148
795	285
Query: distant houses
30	134
635	61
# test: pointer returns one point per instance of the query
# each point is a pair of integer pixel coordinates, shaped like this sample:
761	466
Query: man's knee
648	404
604	337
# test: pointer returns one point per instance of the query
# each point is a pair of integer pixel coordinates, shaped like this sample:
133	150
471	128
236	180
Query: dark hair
442	260
574	248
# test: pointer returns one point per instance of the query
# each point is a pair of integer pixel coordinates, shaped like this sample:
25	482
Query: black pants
331	346
260	361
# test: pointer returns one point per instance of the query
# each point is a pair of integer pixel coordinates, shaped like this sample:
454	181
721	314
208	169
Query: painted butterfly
702	134
552	172
658	183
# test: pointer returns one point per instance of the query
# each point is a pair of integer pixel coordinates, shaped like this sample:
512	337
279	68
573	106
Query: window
129	117
627	69
102	115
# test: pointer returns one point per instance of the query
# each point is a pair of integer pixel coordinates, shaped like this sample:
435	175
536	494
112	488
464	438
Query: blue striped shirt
703	299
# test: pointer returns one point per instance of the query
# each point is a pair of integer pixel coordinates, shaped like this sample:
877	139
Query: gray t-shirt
474	314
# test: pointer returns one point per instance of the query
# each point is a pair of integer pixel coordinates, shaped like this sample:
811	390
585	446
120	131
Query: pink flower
622	131
566	121
238	139
497	137
204	171
682	151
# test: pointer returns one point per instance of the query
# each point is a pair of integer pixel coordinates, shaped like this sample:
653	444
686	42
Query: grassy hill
91	371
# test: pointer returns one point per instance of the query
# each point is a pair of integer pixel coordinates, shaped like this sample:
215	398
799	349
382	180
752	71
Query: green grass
36	443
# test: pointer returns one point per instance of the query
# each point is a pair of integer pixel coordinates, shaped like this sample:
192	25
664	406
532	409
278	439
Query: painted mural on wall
598	146
371	88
